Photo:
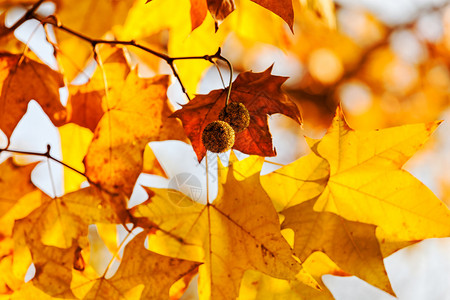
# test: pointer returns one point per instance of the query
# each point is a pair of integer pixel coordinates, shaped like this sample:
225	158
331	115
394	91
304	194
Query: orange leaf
260	93
198	12
282	8
22	81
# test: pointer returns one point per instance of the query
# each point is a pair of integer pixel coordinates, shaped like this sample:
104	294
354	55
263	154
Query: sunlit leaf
262	96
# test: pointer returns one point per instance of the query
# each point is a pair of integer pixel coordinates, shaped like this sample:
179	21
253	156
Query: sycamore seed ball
235	114
218	136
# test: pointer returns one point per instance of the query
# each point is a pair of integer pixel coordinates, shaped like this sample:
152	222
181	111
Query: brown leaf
85	108
15	182
220	9
53	268
260	93
22	81
282	8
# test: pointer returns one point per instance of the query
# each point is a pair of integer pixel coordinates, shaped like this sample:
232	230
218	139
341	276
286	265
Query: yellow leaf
297	182
93	18
135	117
57	222
240	230
141	267
151	164
145	20
352	246
368	185
74	144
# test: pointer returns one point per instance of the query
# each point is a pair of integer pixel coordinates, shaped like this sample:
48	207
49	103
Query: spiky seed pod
218	136
235	114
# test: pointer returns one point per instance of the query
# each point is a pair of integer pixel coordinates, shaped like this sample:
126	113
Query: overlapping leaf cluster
348	202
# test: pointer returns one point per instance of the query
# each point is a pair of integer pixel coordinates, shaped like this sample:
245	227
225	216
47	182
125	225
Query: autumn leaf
298	182
53	267
75	141
281	8
198	12
59	221
87	17
260	93
151	164
368	185
15	182
239	231
134	117
220	9
85	106
22	80
140	266
352	246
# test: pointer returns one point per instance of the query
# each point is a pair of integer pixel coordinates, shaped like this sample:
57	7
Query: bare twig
45	154
27	16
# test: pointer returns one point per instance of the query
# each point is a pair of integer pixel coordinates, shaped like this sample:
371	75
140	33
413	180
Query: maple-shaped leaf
353	246
136	114
261	94
367	183
23	79
239	231
15	182
140	266
59	221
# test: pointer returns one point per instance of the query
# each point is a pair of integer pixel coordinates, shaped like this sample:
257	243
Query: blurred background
386	62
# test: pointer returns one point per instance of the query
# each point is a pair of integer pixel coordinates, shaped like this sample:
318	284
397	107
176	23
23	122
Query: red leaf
260	93
282	8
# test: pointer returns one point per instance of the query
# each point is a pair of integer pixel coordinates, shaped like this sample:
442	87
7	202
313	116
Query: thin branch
46	154
52	20
27	16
